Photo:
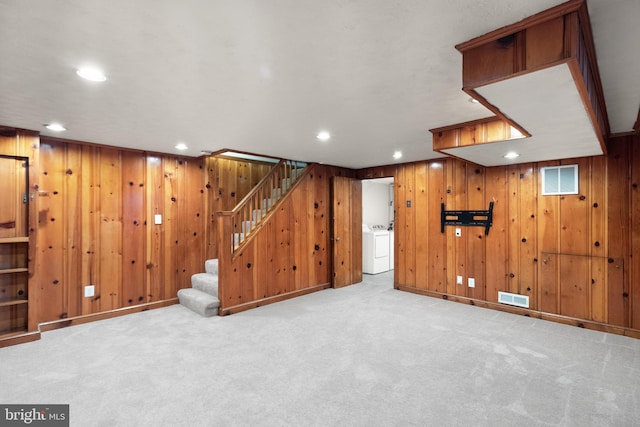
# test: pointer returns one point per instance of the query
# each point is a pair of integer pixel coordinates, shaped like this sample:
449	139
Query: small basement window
559	180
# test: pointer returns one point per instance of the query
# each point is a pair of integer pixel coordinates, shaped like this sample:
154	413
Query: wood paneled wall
96	227
575	256
290	253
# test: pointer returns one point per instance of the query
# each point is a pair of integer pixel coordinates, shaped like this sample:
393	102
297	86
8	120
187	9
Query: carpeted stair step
205	282
200	302
211	266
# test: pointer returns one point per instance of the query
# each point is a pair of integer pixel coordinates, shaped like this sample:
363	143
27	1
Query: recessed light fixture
56	127
182	146
91	74
511	155
323	136
397	155
474	101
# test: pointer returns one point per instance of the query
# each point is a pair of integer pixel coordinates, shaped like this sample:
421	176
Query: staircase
261	200
244	220
202	296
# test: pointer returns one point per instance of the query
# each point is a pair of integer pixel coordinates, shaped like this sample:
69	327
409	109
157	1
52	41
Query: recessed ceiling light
56	127
397	155
91	74
511	155
323	136
474	101
182	146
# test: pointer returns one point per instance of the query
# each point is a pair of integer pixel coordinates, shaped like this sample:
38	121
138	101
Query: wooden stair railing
241	223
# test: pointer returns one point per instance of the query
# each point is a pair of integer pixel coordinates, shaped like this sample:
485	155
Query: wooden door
346	231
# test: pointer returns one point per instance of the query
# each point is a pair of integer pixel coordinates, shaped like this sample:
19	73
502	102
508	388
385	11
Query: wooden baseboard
18	338
270	300
580	323
78	320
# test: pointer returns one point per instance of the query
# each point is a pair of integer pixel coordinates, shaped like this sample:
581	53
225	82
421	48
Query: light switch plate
458	232
89	291
157	219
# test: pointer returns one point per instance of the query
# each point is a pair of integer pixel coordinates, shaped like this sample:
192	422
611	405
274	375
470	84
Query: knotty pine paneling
96	227
574	255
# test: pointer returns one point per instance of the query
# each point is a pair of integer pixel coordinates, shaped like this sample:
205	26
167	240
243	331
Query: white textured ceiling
266	76
561	129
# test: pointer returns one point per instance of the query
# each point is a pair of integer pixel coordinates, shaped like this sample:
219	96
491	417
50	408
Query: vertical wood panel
598	241
475	238
73	224
133	228
410	224
436	240
50	285
619	229
496	250
400	226
155	247
548	242
211	179
321	215
283	240
449	232
421	227
341	223
630	308
356	231
110	278
514	234
460	251
169	261
90	221
574	240
527	282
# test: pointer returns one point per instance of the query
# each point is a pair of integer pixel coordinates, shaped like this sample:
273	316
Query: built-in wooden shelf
14	239
4	302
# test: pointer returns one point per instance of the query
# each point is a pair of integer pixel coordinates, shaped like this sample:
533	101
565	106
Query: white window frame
574	190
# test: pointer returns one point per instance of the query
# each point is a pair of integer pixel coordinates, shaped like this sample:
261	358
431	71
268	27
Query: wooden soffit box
540	78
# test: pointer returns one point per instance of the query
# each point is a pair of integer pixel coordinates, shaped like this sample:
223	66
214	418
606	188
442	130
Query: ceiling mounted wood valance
540	77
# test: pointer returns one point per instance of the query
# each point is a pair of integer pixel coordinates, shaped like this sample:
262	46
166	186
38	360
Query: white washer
375	249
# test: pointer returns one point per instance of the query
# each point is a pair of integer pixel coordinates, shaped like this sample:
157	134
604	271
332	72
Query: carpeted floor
365	355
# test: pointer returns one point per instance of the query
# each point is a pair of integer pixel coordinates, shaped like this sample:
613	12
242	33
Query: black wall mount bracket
467	218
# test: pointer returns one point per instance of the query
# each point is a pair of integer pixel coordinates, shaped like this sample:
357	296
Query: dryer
375	249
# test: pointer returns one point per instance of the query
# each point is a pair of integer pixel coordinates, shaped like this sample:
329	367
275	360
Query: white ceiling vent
513	299
559	180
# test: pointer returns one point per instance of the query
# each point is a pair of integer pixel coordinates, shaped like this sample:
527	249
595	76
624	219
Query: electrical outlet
458	232
89	291
459	280
157	219
472	282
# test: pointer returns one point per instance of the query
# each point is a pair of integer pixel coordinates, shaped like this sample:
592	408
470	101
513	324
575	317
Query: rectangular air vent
513	299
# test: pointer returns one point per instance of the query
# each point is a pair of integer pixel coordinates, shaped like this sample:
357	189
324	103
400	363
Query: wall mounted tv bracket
467	218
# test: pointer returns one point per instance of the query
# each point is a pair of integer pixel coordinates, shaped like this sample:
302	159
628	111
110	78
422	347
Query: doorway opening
378	220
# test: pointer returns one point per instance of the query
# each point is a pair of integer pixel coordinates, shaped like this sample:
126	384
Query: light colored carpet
365	355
